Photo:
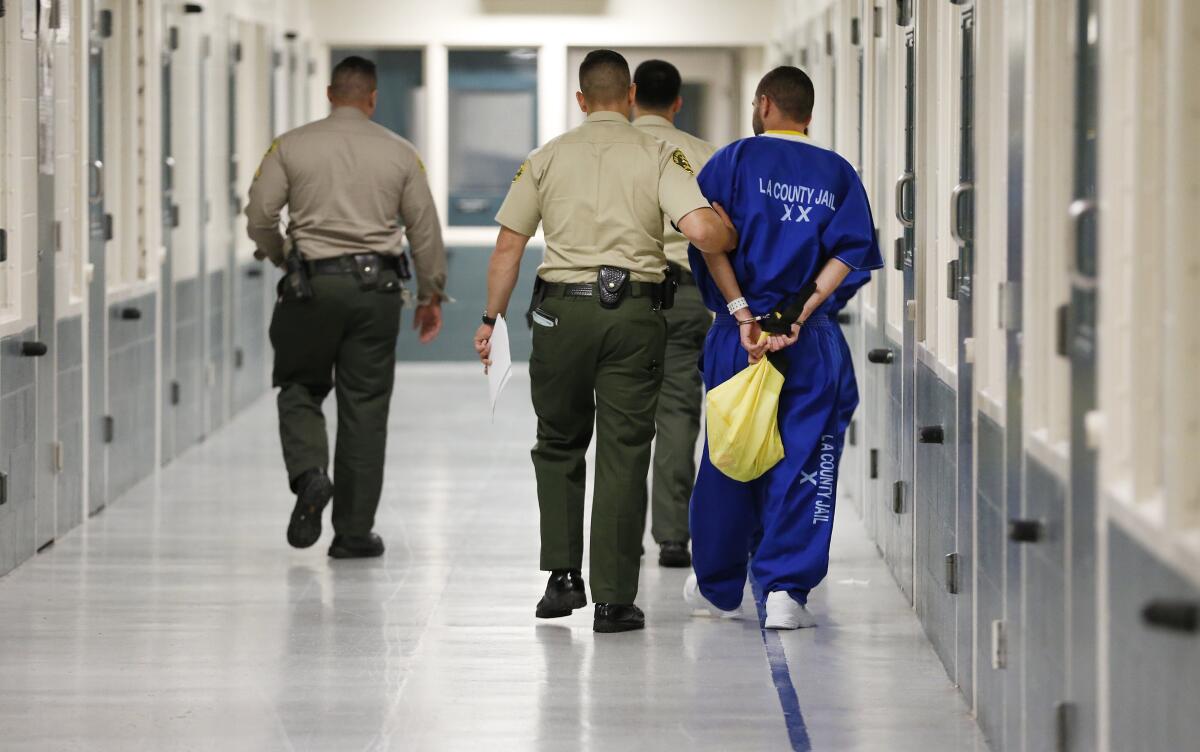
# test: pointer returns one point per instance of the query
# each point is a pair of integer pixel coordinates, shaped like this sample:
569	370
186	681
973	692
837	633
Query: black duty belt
592	290
683	275
346	264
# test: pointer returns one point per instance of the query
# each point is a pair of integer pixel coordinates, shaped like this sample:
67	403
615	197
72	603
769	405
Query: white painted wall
740	27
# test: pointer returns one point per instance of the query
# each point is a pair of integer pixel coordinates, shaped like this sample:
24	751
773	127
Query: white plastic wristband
737	305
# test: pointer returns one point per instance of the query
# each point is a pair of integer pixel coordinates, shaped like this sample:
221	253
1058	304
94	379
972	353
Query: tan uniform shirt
347	182
600	192
698	152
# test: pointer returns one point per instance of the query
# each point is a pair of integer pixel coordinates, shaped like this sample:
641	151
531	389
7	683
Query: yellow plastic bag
743	422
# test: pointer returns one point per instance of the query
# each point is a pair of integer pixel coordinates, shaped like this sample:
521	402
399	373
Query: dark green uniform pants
346	336
678	417
601	367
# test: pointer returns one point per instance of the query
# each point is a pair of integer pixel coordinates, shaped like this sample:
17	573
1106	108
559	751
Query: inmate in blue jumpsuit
795	206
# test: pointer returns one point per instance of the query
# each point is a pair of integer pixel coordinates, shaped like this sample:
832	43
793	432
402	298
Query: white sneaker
696	600
783	612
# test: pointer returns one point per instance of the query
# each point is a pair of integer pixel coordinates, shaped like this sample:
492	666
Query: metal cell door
1078	717
99	233
170	220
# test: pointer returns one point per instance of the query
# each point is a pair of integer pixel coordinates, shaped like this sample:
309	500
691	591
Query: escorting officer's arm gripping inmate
681	200
268	195
424	235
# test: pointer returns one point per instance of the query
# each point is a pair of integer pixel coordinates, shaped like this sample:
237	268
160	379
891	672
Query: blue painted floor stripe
782	677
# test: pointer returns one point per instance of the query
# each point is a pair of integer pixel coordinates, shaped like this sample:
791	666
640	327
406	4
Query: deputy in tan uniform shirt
600	192
678	417
348	183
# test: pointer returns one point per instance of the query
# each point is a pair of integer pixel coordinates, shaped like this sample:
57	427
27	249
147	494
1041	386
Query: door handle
1175	616
932	435
33	349
903	184
97	176
1025	531
130	314
956	230
881	355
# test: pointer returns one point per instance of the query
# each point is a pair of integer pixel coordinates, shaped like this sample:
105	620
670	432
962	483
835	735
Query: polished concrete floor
178	619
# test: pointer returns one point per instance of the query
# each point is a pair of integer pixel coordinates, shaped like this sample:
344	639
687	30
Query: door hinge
855	33
176	392
874	464
108	227
1063	322
58	457
3	245
206	46
999	644
239	357
235	52
898	254
58	236
276	59
3	10
1010	306
852	433
109	429
898	497
877	21
829	43
1064	720
904	12
104	24
952	573
174	215
952	279
3	489
312	67
173	38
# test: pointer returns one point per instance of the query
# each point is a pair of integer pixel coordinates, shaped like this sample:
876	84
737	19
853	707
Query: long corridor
179	619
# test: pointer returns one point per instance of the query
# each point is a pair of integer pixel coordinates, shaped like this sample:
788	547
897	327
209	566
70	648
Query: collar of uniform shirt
787	134
347	111
607	116
653	120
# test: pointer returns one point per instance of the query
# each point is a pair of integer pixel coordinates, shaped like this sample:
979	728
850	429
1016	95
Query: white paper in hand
501	369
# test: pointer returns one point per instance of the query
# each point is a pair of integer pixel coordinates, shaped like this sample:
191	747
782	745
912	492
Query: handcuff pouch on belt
781	320
612	284
295	284
539	297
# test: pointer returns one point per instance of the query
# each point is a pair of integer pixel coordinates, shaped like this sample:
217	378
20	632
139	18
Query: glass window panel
401	88
493	127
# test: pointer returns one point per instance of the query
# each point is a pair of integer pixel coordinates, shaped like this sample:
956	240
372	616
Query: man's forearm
721	270
829	279
503	270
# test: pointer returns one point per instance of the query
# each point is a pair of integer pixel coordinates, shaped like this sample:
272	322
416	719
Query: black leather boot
313	491
613	617
674	554
356	546
564	593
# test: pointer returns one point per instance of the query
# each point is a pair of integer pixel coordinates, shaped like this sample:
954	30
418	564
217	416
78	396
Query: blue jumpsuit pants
778	527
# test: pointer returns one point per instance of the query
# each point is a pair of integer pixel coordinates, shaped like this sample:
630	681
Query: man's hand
777	342
483	345
428	320
752	336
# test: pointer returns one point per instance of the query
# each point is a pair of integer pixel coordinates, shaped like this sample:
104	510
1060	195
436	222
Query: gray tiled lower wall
1154	686
132	393
991	537
70	422
17	446
218	402
188	417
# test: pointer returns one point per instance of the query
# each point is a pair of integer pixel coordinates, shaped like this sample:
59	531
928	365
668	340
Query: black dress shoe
313	491
356	546
612	617
674	554
564	594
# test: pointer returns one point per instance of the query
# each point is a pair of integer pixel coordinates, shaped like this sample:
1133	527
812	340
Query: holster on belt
670	285
539	297
295	284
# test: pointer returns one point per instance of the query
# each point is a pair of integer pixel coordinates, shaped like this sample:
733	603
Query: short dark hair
790	89
353	79
658	84
604	76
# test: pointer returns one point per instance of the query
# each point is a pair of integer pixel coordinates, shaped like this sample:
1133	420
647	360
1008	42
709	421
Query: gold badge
520	172
678	158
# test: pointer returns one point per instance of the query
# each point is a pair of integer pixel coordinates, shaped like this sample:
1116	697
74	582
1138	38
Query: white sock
784	612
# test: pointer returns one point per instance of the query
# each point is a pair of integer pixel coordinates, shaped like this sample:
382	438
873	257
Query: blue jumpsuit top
796	205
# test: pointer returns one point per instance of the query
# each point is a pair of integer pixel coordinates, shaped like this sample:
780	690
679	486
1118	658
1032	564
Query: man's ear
329	93
807	122
374	98
633	95
582	102
675	108
766	107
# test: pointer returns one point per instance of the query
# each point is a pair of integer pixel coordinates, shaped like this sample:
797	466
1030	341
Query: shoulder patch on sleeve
520	171
274	146
679	158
